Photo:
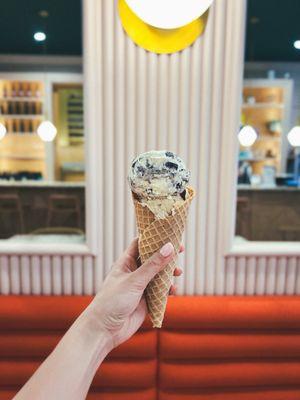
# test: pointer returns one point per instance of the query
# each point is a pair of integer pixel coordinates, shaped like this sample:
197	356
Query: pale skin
114	315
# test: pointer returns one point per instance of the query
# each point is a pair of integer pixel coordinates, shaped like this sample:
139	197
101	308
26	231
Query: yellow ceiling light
168	14
161	40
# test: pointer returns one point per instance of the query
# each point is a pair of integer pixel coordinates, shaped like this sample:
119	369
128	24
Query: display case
266	107
22	110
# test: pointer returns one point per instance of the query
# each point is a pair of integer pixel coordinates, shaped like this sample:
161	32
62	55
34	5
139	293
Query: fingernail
167	250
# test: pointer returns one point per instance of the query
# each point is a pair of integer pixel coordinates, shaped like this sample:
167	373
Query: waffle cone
153	234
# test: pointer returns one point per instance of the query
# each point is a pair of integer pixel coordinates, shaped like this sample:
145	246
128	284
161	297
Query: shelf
257	159
263	105
22	116
3	156
269	139
22	133
23	99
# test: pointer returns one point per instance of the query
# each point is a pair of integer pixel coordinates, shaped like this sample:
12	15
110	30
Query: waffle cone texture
153	234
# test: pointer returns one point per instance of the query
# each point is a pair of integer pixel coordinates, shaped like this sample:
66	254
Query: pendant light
2	130
294	136
168	14
247	136
46	129
164	26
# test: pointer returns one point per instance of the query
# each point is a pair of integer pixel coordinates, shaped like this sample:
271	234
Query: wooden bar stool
11	204
62	204
290	233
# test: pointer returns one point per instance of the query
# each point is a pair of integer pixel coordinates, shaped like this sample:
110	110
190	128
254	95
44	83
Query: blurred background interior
42	131
268	199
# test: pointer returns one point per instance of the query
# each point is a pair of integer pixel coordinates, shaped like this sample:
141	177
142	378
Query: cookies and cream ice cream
159	180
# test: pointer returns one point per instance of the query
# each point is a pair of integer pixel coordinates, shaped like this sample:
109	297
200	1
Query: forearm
68	372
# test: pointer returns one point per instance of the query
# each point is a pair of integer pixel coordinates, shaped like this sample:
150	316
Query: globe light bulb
168	14
47	131
2	131
294	136
39	36
247	136
297	44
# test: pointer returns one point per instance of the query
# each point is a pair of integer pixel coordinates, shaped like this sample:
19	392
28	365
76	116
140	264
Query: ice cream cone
153	234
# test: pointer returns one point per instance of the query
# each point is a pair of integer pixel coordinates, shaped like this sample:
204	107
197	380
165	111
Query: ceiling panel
19	19
272	27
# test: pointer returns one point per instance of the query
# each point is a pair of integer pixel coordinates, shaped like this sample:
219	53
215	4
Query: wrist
94	331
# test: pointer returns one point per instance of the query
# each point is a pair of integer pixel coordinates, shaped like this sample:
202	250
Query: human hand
120	306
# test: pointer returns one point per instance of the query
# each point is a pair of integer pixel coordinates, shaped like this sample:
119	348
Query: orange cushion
248	394
233	312
148	394
16	373
52	313
142	345
229	374
224	345
36	312
128	374
116	374
30	345
214	348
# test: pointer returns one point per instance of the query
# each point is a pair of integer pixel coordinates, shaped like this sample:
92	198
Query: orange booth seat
210	348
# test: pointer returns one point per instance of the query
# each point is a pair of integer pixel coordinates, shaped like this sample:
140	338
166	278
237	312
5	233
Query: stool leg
21	218
78	212
49	215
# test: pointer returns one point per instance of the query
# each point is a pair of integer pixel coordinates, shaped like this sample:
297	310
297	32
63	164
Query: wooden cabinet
21	112
267	107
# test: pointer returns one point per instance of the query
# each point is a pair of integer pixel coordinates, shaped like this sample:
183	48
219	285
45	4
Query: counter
268	214
41	184
269	189
31	208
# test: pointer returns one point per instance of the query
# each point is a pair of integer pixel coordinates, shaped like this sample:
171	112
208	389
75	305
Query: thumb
155	263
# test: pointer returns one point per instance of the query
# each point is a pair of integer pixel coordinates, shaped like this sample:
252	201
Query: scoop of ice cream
158	174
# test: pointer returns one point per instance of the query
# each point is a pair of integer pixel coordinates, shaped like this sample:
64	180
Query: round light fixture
39	36
169	14
157	40
247	136
294	136
47	131
2	131
297	44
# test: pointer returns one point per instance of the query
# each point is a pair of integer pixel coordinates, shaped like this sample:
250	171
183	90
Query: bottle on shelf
30	107
17	126
26	107
16	105
20	125
21	89
22	107
4	90
34	125
9	126
27	127
13	89
28	90
4	108
25	89
17	89
9	88
9	107
38	107
15	108
37	92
